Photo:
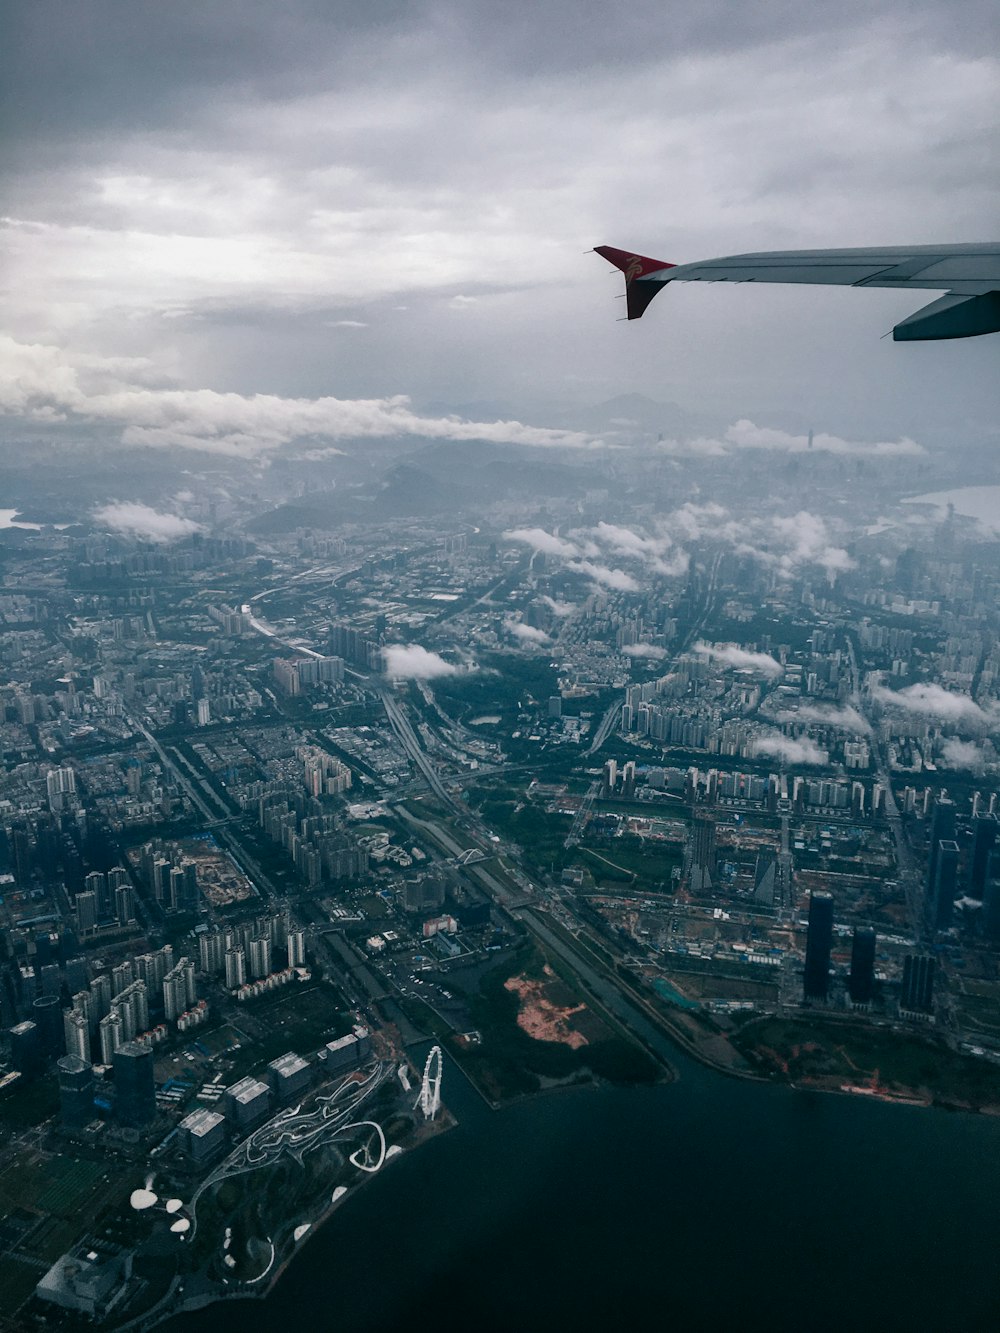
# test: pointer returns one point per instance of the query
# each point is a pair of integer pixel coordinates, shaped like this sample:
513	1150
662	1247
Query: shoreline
247	1290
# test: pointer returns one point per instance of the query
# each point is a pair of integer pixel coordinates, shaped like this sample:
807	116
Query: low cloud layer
527	634
740	659
583	549
43	383
648	650
962	754
133	519
410	661
540	540
615	579
934	701
825	715
789	751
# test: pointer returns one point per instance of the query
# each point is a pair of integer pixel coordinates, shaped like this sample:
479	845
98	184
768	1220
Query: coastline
258	1289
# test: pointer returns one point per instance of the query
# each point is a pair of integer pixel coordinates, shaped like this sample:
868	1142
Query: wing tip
639	288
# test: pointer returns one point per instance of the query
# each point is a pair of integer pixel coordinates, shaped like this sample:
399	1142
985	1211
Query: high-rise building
819	942
179	992
76	1091
135	1100
86	912
942	826
76	1031
917	994
703	867
764	879
100	993
46	1013
211	952
111	1035
121	976
203	1134
984	837
944	886
236	969
260	957
26	1049
124	904
246	1103
861	984
288	1076
296	948
991	898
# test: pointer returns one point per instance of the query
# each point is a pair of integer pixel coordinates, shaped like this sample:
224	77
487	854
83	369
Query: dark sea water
706	1204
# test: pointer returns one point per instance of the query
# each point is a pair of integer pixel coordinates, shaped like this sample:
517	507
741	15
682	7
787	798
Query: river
708	1203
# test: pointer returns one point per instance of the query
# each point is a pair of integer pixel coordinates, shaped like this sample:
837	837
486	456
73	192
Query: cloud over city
934	701
410	661
132	519
789	751
740	659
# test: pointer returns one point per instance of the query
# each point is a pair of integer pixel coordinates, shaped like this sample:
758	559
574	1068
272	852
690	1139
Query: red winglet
637	297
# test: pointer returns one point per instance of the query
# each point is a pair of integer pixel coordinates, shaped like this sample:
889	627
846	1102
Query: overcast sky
345	201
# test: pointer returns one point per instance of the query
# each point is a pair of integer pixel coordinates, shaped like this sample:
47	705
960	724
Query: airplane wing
970	274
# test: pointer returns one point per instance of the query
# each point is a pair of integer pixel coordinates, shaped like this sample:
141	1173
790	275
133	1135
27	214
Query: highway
909	871
708	604
222	834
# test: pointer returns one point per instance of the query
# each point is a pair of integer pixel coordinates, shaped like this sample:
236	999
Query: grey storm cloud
358	202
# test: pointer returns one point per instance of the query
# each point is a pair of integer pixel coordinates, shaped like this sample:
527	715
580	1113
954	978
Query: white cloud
42	382
409	661
559	609
627	542
962	754
746	434
526	633
694	520
789	751
931	700
672	566
740	659
346	324
133	519
616	579
825	715
651	651
540	540
807	539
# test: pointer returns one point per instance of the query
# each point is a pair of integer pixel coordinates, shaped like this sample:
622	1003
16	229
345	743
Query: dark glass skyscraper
46	1013
942	826
991	898
76	1091
984	836
944	885
917	994
135	1104
819	941
861	983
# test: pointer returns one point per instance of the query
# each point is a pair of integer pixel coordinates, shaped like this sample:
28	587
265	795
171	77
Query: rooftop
288	1064
248	1089
202	1121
